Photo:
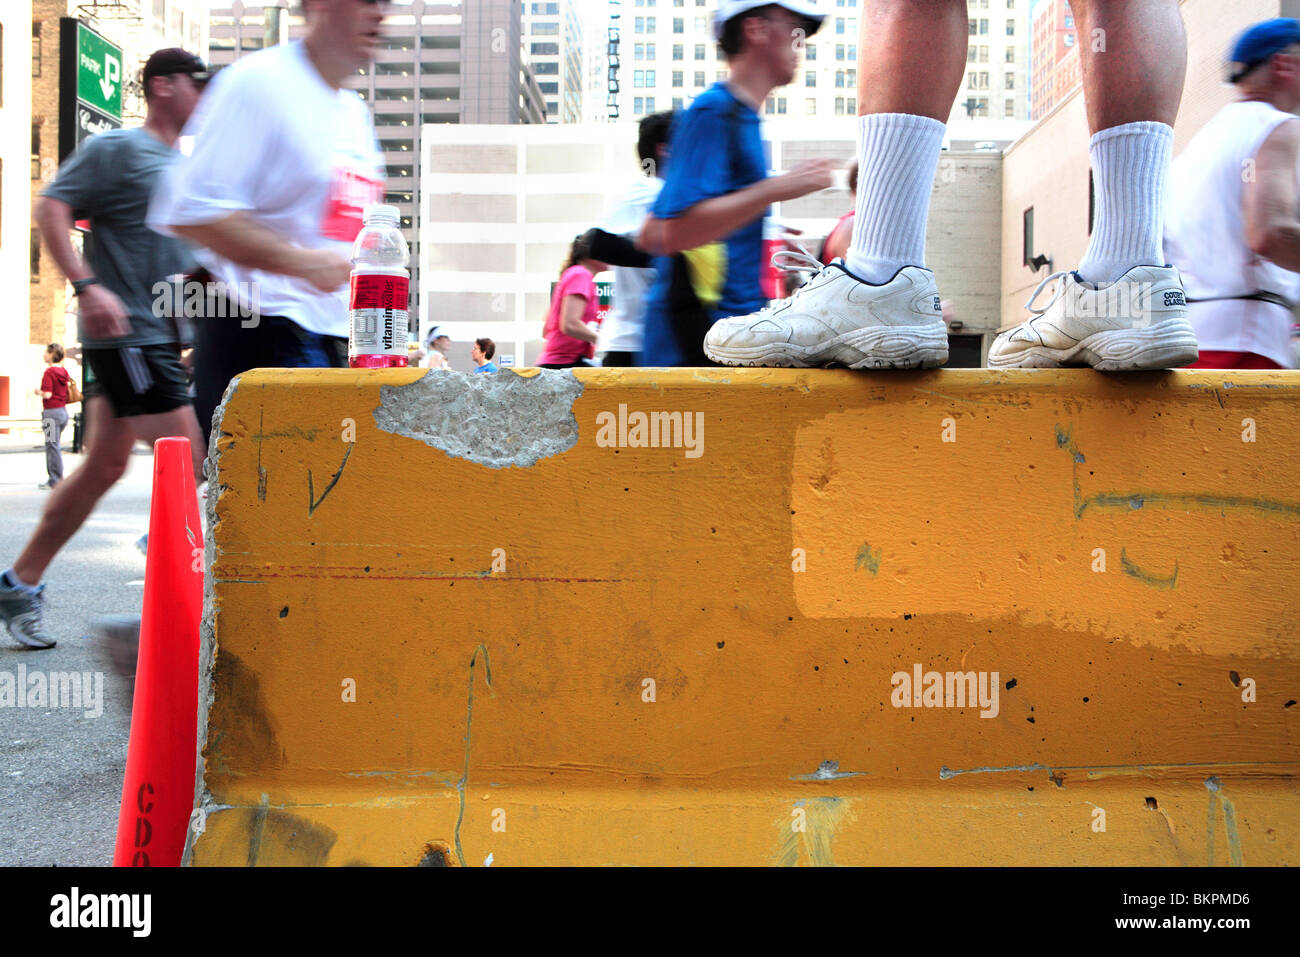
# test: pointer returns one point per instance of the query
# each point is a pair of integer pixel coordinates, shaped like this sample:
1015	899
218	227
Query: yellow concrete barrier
752	617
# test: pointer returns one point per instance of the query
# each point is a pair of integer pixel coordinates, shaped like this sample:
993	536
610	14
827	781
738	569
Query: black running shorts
138	380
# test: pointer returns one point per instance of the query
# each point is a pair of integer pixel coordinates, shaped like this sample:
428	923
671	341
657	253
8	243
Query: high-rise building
1055	69
554	45
437	63
669	56
138	27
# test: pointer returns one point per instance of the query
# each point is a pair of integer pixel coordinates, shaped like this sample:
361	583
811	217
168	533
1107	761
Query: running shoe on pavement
21	611
838	319
1137	322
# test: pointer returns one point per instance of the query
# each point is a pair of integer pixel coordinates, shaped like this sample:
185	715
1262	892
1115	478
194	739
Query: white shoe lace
797	260
1060	290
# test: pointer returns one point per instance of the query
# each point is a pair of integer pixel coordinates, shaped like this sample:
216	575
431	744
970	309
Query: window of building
546	29
1069	39
770	105
638	104
810	78
839	106
1011	54
677	52
984	27
543	49
1011	82
36	151
679	25
677	102
36	256
1011	27
677	78
1010	109
780	104
36	49
970	53
699	51
973	26
701	24
984	53
649	104
810	107
810	52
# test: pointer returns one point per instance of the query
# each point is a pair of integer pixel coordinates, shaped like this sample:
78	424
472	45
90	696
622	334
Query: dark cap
173	60
1260	42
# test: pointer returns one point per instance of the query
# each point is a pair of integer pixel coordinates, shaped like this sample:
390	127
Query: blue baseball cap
1260	42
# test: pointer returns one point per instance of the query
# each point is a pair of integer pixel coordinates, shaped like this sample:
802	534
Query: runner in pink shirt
571	322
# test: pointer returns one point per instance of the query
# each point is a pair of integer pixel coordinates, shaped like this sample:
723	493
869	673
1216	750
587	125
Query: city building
501	205
438	64
669	56
20	348
1054	56
554	46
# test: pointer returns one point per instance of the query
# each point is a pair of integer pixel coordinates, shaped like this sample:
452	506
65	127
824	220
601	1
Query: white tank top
1206	239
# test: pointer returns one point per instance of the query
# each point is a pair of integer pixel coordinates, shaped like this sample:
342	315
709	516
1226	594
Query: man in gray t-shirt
125	304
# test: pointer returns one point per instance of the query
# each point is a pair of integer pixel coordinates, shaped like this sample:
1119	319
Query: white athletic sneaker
1136	322
837	319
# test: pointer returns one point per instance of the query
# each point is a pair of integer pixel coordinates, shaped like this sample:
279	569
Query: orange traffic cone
158	792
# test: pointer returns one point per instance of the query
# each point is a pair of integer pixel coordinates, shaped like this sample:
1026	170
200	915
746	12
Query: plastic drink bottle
380	293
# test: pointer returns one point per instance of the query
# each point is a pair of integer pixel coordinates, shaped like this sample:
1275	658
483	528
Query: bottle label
379	315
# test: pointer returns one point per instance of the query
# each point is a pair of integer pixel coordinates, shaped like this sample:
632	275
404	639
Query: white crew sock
897	154
1130	165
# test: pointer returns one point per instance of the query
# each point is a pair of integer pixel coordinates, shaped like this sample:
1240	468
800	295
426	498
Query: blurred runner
284	162
1233	230
706	226
131	347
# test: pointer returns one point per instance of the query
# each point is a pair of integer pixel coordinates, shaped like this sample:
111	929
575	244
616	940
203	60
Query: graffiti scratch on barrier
313	502
469	730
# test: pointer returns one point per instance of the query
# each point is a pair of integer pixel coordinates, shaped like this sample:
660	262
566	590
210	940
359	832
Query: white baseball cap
734	8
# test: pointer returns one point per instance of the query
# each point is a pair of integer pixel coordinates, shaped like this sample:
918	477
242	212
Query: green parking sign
99	72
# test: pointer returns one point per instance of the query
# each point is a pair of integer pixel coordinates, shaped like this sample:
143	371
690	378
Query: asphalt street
61	771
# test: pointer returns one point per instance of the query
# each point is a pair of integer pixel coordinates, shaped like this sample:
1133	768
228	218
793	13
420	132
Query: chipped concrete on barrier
499	420
203	802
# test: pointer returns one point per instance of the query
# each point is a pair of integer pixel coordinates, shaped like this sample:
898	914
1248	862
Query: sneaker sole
894	347
28	643
1166	345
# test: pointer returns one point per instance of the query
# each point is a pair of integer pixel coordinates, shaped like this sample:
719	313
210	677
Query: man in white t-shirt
283	163
1232	228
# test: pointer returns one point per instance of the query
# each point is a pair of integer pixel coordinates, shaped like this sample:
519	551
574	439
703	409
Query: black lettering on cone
143	829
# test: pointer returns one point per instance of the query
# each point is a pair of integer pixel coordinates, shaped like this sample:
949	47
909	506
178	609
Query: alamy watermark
76	690
946	689
651	430
191	299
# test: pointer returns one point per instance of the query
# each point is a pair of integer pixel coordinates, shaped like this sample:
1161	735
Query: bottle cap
379	212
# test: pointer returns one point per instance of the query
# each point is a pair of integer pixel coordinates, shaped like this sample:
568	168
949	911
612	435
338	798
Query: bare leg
180	422
1134	58
75	497
911	56
1134	61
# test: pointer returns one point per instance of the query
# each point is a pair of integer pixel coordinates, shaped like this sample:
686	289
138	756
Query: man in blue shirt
706	227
